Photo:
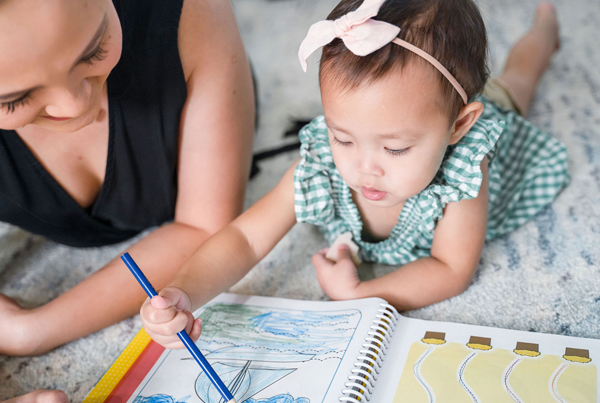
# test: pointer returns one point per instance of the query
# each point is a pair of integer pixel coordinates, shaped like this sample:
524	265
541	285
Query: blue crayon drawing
252	348
263	355
160	399
285	398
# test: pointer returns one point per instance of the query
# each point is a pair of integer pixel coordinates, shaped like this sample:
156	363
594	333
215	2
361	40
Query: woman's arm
41	396
215	151
457	244
219	263
218	119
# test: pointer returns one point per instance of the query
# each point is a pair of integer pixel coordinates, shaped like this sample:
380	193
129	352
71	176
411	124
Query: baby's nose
369	165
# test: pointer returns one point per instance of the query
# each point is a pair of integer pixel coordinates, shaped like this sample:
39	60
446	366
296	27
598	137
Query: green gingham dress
527	170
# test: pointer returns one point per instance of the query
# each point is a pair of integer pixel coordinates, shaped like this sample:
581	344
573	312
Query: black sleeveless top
146	94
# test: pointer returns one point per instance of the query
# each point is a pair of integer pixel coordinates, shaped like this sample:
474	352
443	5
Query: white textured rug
545	277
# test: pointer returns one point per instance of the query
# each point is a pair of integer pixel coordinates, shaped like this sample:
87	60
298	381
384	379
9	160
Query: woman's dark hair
452	31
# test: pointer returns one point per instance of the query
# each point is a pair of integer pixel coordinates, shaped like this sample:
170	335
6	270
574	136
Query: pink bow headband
363	35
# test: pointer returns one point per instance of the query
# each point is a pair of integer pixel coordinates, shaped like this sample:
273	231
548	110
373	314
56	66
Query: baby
409	158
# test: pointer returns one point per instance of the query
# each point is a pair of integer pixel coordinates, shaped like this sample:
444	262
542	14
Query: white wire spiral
368	364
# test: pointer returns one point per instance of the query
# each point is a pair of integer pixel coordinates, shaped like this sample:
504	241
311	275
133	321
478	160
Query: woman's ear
466	119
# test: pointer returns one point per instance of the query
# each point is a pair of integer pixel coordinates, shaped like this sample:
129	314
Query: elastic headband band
363	35
436	64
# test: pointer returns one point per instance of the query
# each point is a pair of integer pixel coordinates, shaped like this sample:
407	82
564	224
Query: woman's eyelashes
98	55
11	106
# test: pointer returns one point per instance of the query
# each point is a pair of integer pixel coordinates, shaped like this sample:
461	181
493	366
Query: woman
116	118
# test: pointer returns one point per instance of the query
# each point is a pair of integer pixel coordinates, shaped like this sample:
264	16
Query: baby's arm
219	263
457	244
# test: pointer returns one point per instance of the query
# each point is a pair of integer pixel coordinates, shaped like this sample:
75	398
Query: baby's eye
342	143
397	152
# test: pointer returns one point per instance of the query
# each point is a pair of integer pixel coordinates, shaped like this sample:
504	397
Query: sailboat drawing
252	348
243	370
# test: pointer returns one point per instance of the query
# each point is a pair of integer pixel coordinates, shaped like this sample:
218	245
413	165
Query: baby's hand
167	314
338	280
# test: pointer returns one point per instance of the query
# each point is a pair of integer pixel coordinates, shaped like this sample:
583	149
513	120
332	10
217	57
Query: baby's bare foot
546	21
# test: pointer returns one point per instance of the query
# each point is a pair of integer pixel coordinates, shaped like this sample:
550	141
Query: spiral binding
363	377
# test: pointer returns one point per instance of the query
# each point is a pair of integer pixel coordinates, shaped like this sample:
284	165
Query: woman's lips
372	194
55	118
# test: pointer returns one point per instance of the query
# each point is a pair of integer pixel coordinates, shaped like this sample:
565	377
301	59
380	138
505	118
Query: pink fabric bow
360	33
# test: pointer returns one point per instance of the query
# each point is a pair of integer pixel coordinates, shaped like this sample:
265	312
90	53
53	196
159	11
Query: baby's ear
466	119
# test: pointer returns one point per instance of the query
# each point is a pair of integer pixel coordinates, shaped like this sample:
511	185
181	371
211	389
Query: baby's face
56	56
388	138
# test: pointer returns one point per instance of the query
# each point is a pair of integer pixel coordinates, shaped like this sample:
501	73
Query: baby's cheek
420	177
345	168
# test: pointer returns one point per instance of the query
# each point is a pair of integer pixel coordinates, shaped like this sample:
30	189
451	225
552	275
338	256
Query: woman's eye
342	143
397	152
10	107
97	56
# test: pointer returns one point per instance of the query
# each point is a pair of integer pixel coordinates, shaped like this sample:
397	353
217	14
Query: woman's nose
368	165
71	100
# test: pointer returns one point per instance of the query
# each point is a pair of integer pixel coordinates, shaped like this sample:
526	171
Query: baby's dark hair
452	31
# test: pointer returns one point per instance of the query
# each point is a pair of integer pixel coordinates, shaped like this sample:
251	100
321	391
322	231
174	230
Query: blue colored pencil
183	336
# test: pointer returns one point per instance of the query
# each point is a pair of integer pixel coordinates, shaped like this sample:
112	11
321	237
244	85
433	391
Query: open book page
447	362
266	350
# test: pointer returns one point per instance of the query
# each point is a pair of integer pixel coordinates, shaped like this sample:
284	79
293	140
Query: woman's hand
338	280
168	314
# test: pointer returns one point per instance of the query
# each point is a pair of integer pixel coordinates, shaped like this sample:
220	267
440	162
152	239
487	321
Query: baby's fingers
194	326
196	329
173	341
319	260
151	315
168	341
159	302
343	252
172	327
171	296
323	251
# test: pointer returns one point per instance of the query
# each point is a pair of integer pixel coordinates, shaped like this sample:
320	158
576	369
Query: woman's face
56	56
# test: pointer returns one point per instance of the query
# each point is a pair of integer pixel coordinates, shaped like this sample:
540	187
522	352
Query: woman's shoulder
149	24
208	35
197	31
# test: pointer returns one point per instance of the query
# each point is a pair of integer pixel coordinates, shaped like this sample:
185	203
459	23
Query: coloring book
272	350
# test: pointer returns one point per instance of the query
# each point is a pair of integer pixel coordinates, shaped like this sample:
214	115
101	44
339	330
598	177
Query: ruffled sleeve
460	175
312	177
